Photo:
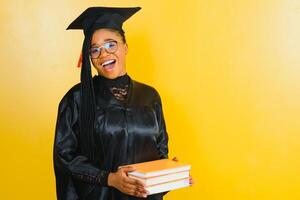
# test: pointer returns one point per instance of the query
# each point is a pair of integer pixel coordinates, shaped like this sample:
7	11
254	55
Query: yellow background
227	71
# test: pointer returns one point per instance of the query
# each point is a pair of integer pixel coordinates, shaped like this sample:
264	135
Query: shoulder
71	97
146	91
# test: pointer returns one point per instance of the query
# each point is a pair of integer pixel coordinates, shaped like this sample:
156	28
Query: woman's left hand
192	182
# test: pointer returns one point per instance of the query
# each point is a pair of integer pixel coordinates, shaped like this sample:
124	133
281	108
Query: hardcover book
161	175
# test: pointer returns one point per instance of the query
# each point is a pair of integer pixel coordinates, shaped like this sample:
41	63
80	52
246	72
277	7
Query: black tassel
87	108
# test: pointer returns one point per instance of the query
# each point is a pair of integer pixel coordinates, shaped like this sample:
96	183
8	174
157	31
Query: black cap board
91	19
103	17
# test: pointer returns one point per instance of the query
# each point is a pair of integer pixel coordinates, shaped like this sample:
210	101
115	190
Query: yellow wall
227	70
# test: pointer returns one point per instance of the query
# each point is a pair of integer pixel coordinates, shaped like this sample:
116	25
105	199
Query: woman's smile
108	65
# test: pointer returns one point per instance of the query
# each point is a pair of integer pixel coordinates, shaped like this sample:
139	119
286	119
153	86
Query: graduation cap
91	19
94	18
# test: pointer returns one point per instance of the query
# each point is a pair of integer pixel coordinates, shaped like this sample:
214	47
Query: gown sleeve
162	140
68	163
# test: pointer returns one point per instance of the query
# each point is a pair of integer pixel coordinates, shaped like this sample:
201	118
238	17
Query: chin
109	75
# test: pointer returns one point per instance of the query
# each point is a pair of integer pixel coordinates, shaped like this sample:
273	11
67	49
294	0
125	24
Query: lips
108	65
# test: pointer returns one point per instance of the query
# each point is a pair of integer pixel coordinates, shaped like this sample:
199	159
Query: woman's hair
120	33
123	37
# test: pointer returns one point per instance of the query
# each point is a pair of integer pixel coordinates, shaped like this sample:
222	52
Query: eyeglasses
110	47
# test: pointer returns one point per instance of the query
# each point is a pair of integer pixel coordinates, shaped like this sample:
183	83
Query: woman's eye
112	44
109	45
95	50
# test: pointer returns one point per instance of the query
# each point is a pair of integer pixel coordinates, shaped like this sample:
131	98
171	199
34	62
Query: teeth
107	62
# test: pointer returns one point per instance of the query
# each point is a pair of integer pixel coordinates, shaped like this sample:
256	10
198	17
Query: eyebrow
106	40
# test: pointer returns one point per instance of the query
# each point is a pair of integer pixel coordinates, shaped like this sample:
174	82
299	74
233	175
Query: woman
106	121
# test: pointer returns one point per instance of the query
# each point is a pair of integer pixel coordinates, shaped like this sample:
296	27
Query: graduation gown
124	133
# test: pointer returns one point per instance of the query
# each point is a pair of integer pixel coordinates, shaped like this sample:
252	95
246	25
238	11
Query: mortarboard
94	18
91	19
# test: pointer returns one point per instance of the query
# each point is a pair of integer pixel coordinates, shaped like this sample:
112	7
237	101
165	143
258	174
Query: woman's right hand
123	183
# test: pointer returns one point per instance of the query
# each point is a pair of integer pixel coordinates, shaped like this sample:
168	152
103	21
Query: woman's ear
126	48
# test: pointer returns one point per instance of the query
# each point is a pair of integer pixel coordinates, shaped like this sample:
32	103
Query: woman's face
111	61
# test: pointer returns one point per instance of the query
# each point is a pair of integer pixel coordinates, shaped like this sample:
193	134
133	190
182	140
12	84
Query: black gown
125	132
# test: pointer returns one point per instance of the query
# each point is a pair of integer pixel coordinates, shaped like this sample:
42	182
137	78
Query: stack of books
162	175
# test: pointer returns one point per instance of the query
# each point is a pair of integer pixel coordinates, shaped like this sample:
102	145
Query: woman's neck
118	86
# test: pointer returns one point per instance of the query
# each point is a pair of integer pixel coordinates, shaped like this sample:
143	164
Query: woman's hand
127	185
192	182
